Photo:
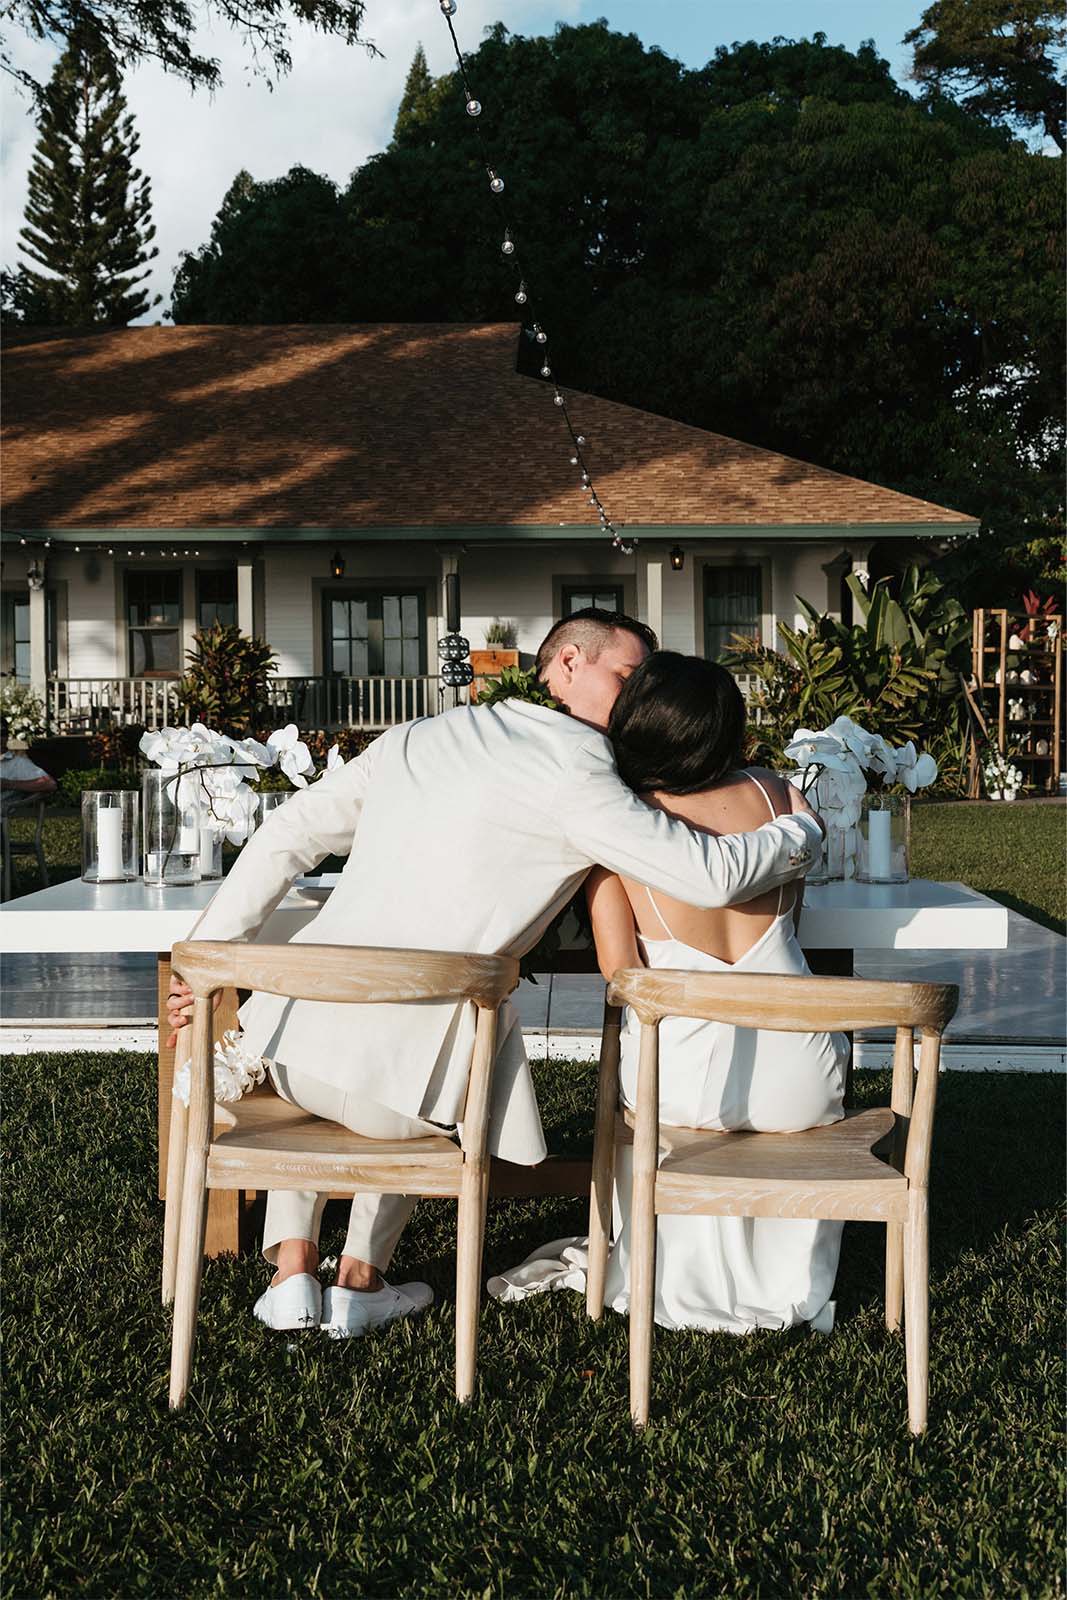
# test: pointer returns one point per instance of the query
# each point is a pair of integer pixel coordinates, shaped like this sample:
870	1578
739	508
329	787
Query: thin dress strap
660	918
774	818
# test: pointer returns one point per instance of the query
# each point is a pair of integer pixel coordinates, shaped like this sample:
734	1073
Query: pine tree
89	212
417	101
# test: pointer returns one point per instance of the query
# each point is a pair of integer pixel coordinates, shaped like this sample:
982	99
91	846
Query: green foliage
166	31
777	1464
500	635
784	247
226	684
89	209
516	683
418	101
74	782
896	672
999	56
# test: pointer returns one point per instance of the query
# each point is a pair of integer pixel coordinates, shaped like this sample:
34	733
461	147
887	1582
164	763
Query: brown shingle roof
371	426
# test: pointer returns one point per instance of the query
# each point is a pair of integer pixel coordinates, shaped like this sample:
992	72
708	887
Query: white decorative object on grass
1002	780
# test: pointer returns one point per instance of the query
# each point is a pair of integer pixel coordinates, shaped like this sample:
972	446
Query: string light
522	296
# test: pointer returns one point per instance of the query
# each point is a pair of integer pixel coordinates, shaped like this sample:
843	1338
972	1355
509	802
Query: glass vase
210	853
884	853
170	808
269	802
838	856
109	836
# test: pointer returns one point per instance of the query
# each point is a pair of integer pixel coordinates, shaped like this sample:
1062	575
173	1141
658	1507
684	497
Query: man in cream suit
467	831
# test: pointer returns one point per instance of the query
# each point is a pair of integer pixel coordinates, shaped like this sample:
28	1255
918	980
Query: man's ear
567	659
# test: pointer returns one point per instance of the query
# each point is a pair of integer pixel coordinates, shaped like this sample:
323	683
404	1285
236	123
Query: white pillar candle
879	854
109	842
207	852
189	840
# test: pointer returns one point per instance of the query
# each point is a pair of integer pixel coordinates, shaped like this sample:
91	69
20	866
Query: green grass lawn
777	1465
1013	852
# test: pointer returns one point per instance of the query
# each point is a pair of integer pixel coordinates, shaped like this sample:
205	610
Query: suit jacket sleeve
608	824
316	822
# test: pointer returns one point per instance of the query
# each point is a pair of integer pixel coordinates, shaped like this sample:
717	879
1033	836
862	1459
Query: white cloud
333	110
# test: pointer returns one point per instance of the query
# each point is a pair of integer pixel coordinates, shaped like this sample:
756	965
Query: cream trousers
376	1221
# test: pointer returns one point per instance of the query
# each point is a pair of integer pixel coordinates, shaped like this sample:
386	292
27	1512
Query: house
316	485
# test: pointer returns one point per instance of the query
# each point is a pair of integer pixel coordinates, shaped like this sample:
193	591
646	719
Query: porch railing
90	705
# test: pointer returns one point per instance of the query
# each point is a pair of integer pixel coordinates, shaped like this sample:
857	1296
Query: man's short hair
591	628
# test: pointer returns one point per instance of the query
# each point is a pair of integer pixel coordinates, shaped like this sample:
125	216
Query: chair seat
822	1172
263	1142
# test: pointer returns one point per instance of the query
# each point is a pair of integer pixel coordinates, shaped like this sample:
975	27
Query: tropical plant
226	684
77	780
24	711
896	672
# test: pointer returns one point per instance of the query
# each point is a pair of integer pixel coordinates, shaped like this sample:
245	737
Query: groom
467	831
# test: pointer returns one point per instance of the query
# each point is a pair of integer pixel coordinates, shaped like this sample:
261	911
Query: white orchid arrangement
1002	780
222	769
846	761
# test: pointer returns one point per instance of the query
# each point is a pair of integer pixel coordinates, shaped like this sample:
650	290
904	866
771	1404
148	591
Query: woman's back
739	803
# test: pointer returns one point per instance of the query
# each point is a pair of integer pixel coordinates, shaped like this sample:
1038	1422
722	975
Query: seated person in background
678	730
21	780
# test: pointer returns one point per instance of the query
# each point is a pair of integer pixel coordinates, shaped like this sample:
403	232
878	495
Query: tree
89	211
824	266
417	102
999	56
133	31
276	254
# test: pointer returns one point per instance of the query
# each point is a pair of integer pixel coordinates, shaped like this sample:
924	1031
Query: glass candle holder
884	852
110	844
210	853
270	802
170	809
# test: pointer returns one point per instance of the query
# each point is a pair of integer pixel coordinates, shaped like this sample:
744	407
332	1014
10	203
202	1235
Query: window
733	603
15	635
374	633
216	596
153	619
579	596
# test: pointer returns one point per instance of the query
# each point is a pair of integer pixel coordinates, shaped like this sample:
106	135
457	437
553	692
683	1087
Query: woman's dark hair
678	724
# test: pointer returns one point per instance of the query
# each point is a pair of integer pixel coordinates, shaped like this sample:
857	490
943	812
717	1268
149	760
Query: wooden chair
263	1142
824	1172
23	847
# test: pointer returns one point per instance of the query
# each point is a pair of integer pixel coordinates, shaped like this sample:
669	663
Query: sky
337	105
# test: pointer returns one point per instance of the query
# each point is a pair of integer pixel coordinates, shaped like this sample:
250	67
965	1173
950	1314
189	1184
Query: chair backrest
787	1004
346	974
784	1003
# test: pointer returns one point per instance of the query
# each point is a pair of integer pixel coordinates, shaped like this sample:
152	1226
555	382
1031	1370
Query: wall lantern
337	565
677	558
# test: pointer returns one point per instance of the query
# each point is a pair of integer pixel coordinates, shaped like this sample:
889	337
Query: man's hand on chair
180	1007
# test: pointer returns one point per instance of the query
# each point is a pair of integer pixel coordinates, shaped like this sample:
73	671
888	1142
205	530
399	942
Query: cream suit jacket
465	831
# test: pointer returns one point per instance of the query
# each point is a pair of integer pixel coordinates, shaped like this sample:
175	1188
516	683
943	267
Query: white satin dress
729	1273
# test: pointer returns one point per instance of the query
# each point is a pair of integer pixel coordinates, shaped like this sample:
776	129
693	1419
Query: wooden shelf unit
993	663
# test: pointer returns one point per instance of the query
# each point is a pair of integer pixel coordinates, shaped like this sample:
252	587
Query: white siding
92	623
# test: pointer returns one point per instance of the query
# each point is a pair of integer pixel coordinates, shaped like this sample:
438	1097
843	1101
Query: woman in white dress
678	731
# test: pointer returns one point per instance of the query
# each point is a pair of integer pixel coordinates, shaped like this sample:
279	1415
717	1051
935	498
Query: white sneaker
350	1313
294	1303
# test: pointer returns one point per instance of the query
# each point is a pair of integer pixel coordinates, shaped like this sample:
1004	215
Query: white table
837	919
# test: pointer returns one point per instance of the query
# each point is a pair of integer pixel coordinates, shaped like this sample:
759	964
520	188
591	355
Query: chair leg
190	1268
600	1195
172	1214
642	1302
917	1308
894	1274
470	1231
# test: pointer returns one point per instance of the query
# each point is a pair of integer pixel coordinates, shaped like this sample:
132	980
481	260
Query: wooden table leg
228	1209
837	964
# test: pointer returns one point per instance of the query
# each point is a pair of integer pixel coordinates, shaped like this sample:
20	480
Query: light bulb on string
508	248
580	439
521	295
496	183
558	398
474	108
539	334
448	8
546	371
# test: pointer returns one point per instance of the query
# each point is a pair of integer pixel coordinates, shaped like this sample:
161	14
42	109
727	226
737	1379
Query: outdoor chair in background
23	847
264	1142
831	1172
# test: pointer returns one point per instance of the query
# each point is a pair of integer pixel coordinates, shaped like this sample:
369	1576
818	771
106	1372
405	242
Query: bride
678	730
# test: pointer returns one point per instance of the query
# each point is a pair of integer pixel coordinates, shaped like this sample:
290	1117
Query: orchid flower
292	756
